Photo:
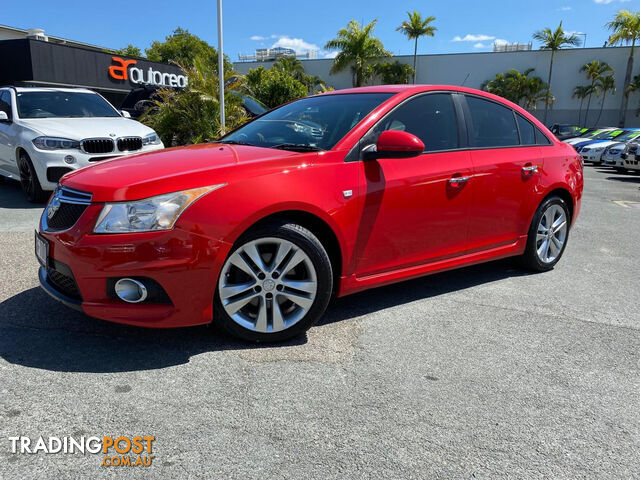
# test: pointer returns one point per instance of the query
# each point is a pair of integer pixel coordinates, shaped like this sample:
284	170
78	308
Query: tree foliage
182	48
129	51
391	73
358	50
274	86
527	91
182	117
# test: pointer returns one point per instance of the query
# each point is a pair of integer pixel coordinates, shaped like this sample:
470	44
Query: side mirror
395	144
4	117
125	114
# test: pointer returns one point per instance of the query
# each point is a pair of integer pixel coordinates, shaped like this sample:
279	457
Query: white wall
476	68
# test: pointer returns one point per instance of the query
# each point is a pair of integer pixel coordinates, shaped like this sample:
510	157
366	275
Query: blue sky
463	26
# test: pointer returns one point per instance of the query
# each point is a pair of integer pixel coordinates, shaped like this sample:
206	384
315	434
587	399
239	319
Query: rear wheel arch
315	225
565	195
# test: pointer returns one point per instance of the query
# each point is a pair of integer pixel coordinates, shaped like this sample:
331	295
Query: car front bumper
592	157
632	163
612	160
82	268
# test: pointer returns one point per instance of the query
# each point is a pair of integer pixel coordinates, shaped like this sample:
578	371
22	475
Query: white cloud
257	37
469	37
330	55
297	44
481	45
501	41
607	2
564	9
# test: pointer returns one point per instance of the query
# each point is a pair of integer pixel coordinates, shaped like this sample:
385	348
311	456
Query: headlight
150	214
151	139
54	143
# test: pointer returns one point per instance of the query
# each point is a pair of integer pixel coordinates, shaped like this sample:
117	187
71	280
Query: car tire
29	180
548	235
288	256
620	170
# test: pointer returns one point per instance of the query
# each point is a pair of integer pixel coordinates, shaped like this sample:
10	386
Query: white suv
47	132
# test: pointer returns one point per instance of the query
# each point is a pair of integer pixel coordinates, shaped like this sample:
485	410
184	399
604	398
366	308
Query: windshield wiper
297	147
233	142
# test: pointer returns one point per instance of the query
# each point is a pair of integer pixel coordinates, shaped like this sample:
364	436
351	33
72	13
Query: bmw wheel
29	180
275	284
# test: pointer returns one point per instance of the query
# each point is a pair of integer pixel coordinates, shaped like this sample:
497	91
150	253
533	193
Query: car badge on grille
112	134
53	206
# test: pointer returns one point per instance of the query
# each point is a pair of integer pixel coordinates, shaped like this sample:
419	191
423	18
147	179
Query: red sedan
324	196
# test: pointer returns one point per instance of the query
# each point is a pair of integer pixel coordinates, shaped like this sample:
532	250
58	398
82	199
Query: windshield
63	104
316	123
625	137
607	135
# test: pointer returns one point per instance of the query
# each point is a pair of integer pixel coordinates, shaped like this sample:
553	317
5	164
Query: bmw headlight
55	143
151	139
150	214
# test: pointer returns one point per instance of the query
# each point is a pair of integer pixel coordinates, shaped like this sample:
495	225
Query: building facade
473	69
39	60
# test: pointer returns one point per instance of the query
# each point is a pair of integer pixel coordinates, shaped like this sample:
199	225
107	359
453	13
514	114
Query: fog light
130	290
70	159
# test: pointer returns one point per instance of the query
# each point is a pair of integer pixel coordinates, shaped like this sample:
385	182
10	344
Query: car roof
410	89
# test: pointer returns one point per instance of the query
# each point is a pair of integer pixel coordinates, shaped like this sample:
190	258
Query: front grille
97	145
65	208
54	174
66	216
99	159
129	144
61	278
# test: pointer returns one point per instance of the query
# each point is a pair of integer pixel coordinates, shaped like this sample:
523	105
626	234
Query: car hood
175	169
573	141
601	144
81	128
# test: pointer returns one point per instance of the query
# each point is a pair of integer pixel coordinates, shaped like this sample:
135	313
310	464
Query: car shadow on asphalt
38	332
625	179
11	196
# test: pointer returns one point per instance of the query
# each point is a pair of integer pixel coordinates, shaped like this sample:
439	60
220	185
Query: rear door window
493	125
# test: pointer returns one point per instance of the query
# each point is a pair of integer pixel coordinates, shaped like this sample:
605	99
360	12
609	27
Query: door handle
529	169
458	180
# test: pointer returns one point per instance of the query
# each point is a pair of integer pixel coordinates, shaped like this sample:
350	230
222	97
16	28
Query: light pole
220	65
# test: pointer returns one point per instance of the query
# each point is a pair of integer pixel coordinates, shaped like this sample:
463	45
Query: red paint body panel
404	217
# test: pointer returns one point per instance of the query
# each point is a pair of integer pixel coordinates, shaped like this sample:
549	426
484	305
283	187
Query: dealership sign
125	70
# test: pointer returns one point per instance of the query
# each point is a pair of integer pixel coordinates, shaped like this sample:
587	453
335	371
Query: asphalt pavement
484	372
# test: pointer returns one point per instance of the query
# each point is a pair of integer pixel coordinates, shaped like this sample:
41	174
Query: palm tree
519	87
581	92
414	28
358	49
554	40
626	30
605	84
594	70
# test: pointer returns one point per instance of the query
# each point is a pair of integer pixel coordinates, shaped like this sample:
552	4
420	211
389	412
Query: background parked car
612	156
565	131
587	135
592	151
46	133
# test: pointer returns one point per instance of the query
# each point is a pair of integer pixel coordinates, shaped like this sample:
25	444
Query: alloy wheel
26	178
551	234
268	285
